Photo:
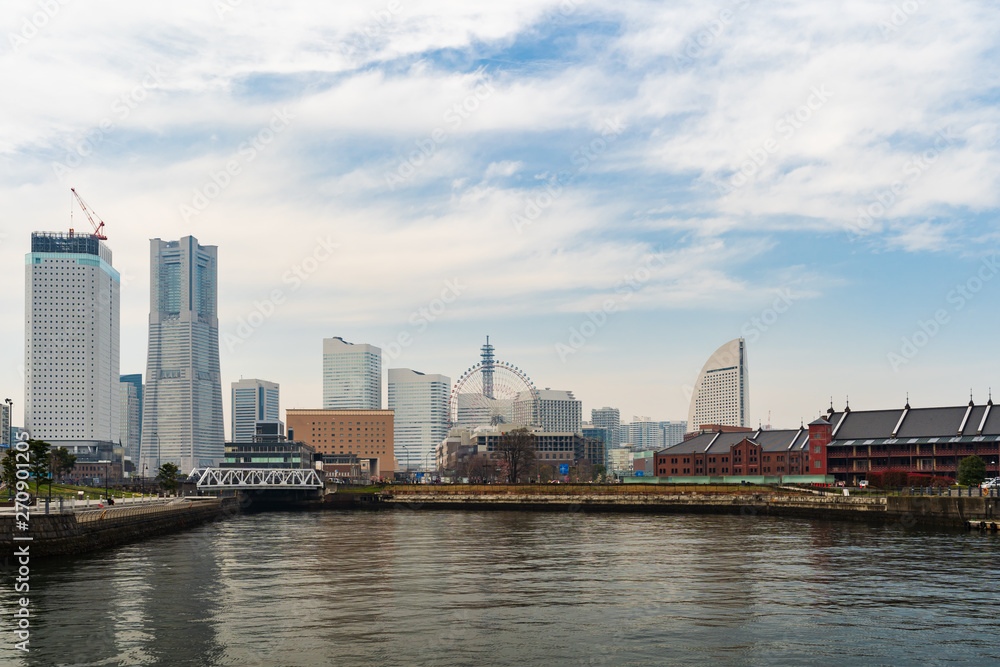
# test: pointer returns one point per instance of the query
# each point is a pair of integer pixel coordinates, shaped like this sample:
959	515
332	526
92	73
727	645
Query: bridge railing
256	478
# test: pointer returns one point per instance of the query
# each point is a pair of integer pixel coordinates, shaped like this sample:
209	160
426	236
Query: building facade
182	418
558	411
610	419
281	455
722	391
352	375
253	400
71	355
760	453
419	403
6	432
918	441
131	419
366	434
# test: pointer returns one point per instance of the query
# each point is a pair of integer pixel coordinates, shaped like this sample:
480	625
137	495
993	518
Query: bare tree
479	468
517	451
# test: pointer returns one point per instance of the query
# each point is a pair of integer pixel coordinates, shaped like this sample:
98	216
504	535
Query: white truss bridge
236	479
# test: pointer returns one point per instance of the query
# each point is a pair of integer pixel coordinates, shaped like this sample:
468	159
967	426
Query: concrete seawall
94	530
907	510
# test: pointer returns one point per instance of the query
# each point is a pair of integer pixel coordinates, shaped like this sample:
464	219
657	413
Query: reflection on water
450	588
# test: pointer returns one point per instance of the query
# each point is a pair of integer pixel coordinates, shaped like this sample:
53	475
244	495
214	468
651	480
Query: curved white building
722	393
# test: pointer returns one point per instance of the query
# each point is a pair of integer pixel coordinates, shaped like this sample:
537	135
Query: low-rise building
367	434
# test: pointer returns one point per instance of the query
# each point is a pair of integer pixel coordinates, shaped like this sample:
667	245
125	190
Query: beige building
367	434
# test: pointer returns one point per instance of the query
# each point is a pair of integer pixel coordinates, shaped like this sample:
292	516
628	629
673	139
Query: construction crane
97	227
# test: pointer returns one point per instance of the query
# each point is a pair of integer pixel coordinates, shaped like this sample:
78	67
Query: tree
8	471
600	473
517	452
971	471
62	462
38	462
167	476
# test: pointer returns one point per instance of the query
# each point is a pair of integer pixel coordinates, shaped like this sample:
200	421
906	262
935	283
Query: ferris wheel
494	392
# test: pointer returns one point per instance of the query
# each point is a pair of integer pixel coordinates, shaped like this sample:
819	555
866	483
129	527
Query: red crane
97	227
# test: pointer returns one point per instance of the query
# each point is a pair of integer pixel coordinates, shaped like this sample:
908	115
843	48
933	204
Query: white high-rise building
72	318
722	393
182	418
253	401
609	418
352	375
419	403
558	411
673	432
5	438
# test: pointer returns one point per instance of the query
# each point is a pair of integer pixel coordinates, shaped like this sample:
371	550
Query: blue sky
698	166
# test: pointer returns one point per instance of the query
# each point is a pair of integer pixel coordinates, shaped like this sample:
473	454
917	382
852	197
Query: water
406	587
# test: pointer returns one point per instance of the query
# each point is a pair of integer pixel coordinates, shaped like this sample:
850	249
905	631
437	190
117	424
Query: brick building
367	434
800	451
928	441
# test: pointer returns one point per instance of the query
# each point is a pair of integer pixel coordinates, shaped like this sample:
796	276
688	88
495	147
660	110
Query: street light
107	465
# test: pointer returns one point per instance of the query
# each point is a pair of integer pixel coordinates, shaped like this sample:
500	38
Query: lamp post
107	466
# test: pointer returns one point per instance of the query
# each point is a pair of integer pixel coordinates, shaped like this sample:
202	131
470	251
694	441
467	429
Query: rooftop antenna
907	400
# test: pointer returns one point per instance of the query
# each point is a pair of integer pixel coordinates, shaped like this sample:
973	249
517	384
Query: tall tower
488	363
182	406
420	415
131	414
722	393
72	319
253	401
352	375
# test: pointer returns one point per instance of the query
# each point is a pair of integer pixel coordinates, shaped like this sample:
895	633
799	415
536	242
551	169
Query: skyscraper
420	415
182	407
71	342
253	400
352	375
610	419
131	419
5	439
722	393
131	414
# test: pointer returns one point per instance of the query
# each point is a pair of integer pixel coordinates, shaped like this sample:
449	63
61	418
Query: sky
609	190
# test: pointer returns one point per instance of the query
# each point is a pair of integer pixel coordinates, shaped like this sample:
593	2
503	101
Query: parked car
863	484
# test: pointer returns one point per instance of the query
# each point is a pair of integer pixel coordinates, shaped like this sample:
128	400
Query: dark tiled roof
919	423
770	441
931	423
992	422
869	424
972	426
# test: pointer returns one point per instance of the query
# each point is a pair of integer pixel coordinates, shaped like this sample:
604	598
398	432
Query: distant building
6	437
918	441
281	455
72	319
131	419
419	403
253	400
673	432
610	419
621	460
352	375
558	411
722	392
182	419
131	416
366	434
603	436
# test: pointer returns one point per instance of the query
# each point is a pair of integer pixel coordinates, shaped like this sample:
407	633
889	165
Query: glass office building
182	406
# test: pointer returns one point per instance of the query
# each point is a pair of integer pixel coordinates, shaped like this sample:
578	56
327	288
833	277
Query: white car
863	484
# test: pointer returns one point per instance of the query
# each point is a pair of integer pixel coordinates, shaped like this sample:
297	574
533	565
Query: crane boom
97	227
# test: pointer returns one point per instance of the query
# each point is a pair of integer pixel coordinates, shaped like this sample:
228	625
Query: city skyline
609	190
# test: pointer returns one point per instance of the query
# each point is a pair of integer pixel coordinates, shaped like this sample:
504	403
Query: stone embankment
908	510
72	533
